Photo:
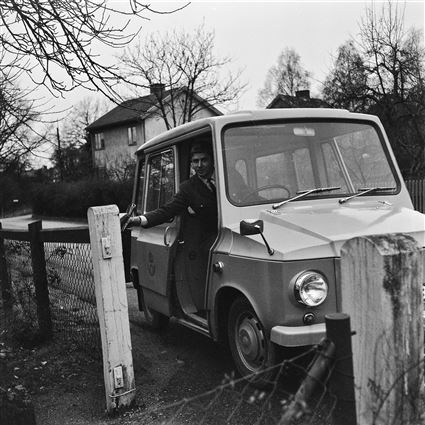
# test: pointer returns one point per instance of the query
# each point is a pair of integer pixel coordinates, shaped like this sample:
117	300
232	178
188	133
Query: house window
99	141
132	136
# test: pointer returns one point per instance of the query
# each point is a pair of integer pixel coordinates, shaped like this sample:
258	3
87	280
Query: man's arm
177	205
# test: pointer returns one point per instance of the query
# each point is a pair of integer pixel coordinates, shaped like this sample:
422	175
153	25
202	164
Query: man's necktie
211	185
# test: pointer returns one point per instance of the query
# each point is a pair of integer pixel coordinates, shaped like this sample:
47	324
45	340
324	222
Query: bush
72	199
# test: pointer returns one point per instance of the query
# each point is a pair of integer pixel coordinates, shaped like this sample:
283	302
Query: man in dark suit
195	202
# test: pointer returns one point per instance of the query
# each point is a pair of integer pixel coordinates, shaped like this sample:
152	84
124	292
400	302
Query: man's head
202	160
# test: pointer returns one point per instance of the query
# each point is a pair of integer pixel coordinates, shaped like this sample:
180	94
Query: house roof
128	111
133	110
302	99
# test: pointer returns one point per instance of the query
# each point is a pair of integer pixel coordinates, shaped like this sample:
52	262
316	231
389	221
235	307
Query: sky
254	33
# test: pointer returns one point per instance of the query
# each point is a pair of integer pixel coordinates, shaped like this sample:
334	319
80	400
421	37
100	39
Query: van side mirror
249	227
254	227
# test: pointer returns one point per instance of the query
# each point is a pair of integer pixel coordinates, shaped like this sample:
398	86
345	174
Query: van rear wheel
255	357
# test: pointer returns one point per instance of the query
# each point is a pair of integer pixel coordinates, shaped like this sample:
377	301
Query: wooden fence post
5	284
112	309
341	382
38	261
381	291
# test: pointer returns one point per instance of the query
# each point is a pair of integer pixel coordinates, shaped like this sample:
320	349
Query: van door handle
167	229
218	267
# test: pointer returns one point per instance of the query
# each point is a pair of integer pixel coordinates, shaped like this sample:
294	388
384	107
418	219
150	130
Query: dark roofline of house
300	100
147	104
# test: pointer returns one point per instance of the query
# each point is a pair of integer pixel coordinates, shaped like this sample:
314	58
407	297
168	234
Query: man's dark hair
199	147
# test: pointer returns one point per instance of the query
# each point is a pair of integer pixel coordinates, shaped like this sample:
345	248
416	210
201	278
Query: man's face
202	164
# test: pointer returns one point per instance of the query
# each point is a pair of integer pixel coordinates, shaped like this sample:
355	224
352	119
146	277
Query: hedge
72	199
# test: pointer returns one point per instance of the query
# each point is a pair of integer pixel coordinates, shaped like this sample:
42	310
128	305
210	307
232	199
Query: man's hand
125	219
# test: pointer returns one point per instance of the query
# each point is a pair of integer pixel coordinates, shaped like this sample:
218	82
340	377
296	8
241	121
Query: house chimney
303	94
157	89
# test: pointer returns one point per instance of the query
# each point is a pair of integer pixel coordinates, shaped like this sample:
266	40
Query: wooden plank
69	234
381	290
16	235
112	309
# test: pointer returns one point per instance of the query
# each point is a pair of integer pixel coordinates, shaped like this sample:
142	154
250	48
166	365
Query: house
116	135
301	99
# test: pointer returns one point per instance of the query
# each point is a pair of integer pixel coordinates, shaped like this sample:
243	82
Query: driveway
21	222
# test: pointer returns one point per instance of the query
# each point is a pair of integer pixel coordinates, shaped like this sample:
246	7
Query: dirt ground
179	378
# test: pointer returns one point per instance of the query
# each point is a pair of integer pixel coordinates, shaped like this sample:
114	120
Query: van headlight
310	288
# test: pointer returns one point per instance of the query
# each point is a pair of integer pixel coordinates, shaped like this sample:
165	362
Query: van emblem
151	264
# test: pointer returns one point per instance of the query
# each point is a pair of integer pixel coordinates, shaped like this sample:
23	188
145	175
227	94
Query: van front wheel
254	355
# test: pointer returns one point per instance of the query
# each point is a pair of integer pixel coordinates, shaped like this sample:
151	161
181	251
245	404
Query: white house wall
116	148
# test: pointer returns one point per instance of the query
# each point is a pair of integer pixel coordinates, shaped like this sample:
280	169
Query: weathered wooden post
112	308
381	291
341	383
5	285
40	280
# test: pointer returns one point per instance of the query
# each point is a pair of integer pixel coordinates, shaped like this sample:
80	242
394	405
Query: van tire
255	357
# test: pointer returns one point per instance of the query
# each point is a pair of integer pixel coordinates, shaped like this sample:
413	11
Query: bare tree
63	35
384	74
346	85
72	154
185	65
19	116
286	77
73	126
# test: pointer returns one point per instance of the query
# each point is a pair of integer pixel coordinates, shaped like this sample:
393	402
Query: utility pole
60	165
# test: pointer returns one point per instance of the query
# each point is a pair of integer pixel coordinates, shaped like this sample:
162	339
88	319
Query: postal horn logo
151	264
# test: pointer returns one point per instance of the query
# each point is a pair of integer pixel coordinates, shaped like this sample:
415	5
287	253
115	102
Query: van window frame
253	123
147	167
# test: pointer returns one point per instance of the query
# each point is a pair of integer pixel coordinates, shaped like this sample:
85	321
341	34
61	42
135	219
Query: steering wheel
255	192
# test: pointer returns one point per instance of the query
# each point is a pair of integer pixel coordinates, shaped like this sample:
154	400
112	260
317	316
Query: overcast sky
253	33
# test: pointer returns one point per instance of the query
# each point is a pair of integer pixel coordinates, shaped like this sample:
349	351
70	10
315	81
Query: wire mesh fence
72	293
68	274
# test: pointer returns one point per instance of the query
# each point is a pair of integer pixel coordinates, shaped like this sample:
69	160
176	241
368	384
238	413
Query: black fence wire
236	401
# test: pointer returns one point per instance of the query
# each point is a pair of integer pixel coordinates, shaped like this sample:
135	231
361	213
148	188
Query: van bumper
296	336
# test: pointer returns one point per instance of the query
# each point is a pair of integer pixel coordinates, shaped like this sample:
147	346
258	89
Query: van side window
161	179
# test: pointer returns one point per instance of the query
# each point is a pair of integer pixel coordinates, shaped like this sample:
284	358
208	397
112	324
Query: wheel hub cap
250	340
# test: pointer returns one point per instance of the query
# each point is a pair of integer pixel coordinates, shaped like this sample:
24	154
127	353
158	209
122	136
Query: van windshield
276	161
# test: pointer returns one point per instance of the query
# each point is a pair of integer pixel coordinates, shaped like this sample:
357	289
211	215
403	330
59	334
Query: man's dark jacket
196	204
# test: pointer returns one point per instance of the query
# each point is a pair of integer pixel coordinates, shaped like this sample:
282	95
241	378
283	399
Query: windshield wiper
363	191
304	193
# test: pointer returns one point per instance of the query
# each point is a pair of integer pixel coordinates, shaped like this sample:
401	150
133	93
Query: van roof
252	115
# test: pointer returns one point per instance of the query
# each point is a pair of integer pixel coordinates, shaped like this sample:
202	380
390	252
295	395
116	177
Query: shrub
72	199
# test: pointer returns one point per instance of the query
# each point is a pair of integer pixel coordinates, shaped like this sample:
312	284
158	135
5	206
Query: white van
292	186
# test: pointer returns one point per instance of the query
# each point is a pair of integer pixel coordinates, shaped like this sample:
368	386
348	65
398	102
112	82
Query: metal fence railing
416	188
